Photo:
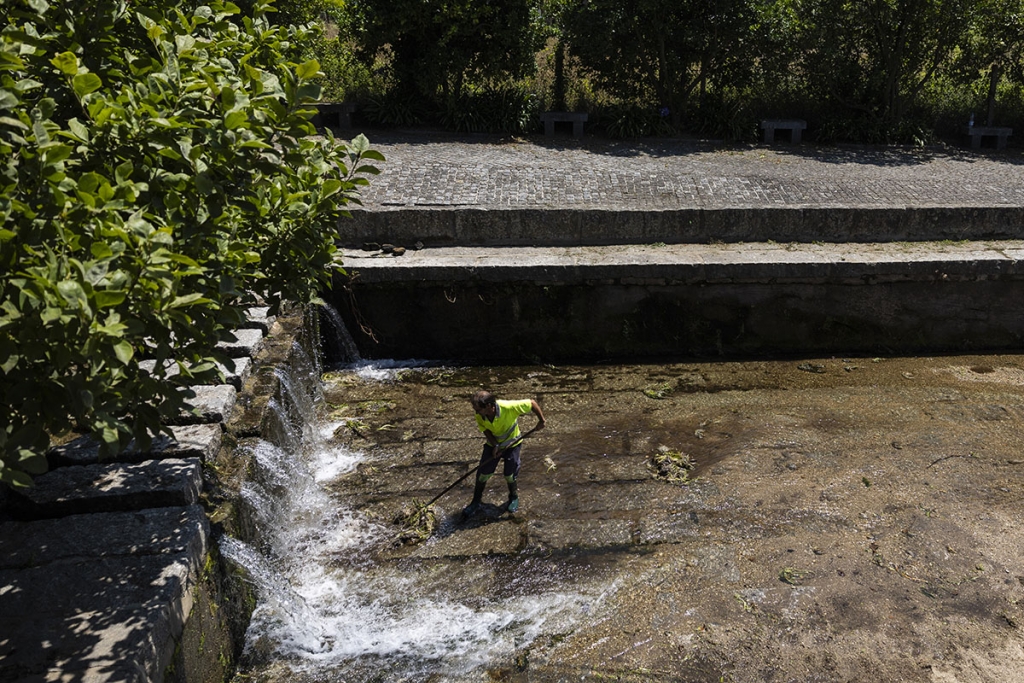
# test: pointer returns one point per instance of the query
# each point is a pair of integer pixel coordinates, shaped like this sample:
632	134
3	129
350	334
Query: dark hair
483	398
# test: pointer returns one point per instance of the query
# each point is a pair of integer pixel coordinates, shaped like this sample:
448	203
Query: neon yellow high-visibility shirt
505	425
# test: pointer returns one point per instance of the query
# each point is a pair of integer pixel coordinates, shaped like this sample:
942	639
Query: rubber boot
513	495
478	494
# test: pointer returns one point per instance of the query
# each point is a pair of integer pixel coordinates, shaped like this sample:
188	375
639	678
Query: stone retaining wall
551	227
630	303
109	570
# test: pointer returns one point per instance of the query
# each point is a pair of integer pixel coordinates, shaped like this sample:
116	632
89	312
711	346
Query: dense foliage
438	46
858	70
158	176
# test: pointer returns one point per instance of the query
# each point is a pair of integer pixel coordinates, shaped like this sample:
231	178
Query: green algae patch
673	466
419	521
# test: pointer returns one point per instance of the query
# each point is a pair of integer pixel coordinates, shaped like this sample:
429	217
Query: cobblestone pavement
435	169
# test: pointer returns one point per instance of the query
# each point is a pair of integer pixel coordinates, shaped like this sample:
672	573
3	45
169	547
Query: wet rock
811	367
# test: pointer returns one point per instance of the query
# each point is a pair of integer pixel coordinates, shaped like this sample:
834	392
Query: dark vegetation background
860	71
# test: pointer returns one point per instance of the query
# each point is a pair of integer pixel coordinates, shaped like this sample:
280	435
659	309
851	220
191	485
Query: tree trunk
559	103
993	82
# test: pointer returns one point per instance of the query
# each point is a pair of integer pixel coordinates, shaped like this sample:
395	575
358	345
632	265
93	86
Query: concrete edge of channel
545	226
105	578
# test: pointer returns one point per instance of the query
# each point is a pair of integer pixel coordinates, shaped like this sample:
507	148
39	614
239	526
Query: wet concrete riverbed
846	519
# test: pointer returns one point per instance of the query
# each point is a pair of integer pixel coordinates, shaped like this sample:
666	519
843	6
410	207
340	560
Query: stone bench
794	126
333	115
577	119
976	133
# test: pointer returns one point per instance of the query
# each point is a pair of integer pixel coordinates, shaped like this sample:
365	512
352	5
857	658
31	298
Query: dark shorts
510	457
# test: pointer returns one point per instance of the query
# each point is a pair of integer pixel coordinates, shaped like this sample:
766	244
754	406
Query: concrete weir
589	250
660	293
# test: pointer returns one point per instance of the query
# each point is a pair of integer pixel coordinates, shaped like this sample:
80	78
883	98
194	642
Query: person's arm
535	409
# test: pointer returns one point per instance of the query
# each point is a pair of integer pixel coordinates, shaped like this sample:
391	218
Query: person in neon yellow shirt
499	422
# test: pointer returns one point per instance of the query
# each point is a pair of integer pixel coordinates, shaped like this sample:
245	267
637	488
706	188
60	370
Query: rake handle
458	481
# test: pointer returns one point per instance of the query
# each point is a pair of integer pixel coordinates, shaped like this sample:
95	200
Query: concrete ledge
451	226
694	263
109	487
630	302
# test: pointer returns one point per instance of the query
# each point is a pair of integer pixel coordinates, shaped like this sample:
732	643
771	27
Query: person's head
484	403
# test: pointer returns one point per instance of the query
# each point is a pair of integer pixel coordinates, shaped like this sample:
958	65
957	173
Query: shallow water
328	609
844	477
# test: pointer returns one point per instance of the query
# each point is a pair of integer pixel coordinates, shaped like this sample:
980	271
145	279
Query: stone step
697	263
235	373
212	404
99	597
109	487
259	318
188	441
244	343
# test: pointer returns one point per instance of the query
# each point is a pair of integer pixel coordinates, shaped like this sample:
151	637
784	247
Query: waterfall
340	350
339	346
325	605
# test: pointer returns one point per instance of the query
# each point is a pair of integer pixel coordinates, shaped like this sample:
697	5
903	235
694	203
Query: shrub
159	175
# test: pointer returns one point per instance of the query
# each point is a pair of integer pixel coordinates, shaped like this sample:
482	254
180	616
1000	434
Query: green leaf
101	250
124	352
66	63
73	294
33	463
189	300
57	154
308	70
79	130
106	298
330	187
86	83
123	172
204	184
235	119
15	478
10	363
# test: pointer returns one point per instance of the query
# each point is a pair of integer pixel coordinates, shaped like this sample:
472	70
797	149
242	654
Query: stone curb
100	568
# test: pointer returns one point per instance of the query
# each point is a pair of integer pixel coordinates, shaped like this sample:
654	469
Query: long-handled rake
420	519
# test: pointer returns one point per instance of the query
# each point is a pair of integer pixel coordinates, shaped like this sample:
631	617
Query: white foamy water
324	605
383	370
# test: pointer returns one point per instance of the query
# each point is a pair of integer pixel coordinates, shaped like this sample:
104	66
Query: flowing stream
828	503
328	611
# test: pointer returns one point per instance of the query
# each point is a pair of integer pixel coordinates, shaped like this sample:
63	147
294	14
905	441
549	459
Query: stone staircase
103	563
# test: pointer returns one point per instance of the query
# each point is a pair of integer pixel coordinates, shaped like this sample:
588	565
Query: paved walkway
424	169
